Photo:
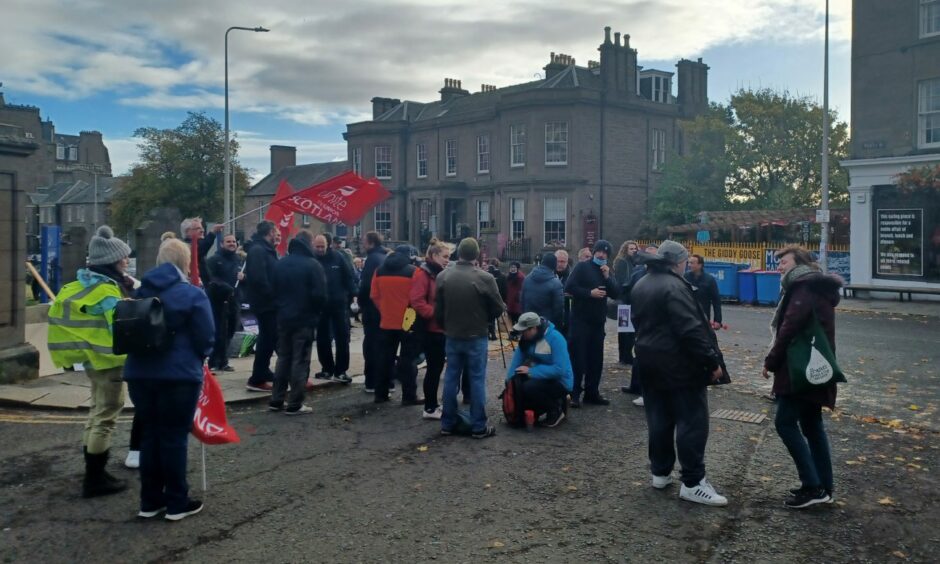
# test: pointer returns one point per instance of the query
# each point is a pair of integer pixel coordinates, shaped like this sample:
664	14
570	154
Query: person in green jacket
80	333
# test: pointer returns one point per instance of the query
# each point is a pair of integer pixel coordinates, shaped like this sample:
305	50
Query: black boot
97	481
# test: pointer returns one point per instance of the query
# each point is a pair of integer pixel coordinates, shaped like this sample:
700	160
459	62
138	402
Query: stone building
895	234
556	162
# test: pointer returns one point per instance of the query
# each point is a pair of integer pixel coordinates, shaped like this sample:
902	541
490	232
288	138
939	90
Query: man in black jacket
543	293
334	323
224	272
301	293
679	355
262	297
590	284
706	289
375	256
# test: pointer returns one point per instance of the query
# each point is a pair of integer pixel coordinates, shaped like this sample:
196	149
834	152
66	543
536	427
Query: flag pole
205	484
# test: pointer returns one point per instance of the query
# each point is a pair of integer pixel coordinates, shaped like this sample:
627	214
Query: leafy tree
761	151
181	168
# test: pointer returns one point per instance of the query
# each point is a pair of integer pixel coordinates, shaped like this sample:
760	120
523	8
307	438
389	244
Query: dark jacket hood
396	262
161	278
827	285
542	273
299	247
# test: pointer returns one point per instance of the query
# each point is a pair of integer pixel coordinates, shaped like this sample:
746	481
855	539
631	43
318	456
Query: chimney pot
607	34
617	39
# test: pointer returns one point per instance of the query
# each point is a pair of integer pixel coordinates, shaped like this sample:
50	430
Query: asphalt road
358	483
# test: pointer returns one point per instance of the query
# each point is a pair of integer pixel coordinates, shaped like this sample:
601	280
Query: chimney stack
692	87
487	88
382	105
282	156
617	67
557	63
453	88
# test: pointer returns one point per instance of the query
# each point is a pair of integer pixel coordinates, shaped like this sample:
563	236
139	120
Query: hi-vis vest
77	337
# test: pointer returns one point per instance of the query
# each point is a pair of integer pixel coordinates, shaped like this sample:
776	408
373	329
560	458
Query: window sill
556	164
517	165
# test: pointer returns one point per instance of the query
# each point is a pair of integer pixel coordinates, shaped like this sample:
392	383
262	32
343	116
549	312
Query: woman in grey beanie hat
105	248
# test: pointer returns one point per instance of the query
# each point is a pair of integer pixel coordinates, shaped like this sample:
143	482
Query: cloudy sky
115	65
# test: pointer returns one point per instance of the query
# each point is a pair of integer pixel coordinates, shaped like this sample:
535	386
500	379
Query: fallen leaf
899	554
423	448
874	437
487	486
497	544
886	501
914	407
572	488
346	419
852	462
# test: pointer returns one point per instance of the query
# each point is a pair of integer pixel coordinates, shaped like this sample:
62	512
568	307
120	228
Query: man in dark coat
191	229
375	256
262	297
590	284
301	293
706	289
224	272
678	353
543	293
334	322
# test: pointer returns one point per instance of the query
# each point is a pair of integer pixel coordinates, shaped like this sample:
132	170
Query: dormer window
656	86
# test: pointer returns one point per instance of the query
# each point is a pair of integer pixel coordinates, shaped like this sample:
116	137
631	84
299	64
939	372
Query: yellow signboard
752	255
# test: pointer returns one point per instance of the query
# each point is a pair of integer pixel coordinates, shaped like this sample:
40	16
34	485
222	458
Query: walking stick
511	343
502	351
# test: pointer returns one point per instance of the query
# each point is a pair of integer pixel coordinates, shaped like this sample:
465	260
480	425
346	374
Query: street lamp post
228	200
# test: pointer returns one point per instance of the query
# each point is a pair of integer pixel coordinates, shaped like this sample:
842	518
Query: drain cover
736	415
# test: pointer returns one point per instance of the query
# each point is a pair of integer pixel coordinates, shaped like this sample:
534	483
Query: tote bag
810	359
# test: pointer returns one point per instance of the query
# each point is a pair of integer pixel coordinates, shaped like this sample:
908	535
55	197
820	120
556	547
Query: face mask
600	262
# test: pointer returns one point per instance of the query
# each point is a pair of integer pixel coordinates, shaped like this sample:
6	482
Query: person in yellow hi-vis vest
80	321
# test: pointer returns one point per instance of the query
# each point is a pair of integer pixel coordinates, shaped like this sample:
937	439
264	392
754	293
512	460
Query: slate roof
78	192
571	77
300	176
63	139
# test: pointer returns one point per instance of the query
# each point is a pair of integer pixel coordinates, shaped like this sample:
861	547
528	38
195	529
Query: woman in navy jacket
165	387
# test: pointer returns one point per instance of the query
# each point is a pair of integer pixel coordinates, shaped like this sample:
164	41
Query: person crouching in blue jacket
542	360
165	387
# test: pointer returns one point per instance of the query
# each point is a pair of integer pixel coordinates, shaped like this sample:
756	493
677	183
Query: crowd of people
443	311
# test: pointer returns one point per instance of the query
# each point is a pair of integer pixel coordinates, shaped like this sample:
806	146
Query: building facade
895	234
557	162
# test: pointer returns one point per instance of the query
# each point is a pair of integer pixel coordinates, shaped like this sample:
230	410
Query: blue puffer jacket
547	356
188	314
543	294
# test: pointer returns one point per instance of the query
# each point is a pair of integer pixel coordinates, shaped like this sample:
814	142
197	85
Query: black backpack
140	328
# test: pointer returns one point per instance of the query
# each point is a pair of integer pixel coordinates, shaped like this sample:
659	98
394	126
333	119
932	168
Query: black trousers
264	348
625	343
334	325
433	346
678	423
292	370
588	358
225	316
405	347
542	396
371	341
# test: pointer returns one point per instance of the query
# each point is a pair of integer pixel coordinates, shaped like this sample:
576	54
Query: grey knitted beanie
105	248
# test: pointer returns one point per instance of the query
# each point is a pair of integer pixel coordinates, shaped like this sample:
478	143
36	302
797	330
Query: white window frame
660	89
483	154
68	214
483	216
550	213
658	147
60	153
357	160
421	160
927	114
516	219
383	218
450	157
73	152
928	8
80	214
517	145
383	156
556	136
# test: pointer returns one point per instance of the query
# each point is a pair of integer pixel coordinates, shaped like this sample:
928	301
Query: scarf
786	282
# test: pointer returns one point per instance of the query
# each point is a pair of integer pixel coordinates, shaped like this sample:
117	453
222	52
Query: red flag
210	424
282	217
194	264
341	199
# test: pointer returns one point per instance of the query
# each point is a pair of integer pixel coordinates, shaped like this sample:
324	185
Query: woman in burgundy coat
804	290
514	281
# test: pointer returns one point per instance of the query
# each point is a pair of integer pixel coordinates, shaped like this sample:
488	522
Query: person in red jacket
390	292
514	281
427	331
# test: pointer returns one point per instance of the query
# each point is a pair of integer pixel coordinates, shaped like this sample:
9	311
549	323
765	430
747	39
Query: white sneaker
436	414
639	402
661	482
703	493
302	410
133	459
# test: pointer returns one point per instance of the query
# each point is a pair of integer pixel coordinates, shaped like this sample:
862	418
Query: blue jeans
797	418
164	409
469	355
